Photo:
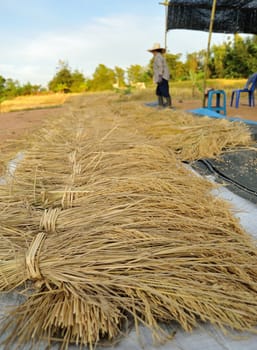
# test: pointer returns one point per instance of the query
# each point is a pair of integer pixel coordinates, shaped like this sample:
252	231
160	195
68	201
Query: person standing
161	75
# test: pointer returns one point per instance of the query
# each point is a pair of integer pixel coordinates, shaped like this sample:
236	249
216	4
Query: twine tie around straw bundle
72	156
32	257
49	218
67	199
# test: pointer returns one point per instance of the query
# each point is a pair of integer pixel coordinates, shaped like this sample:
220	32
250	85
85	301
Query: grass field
34	101
187	90
182	89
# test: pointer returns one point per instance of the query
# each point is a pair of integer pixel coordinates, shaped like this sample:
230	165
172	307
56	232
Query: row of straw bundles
188	136
139	238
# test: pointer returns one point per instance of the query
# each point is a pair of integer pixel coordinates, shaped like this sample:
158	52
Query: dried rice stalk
104	228
190	137
112	273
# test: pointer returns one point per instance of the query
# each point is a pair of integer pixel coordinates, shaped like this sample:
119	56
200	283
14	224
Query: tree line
234	58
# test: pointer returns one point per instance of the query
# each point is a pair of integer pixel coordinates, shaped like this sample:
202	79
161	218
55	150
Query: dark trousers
162	88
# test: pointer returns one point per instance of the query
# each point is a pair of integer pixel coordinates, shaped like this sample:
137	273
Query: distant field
183	89
215	83
31	102
186	90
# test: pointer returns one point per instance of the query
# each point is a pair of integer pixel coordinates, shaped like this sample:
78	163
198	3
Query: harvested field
102	225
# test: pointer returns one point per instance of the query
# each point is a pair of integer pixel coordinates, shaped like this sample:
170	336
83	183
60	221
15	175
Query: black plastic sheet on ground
237	170
230	16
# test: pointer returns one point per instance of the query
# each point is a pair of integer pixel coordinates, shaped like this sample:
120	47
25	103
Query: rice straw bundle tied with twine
140	238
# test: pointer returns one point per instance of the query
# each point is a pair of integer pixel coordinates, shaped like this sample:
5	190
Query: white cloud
113	41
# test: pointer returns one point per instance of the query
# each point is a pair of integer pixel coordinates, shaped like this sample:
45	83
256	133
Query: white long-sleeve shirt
160	68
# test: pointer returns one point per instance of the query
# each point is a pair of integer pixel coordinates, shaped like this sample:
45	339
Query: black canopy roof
231	16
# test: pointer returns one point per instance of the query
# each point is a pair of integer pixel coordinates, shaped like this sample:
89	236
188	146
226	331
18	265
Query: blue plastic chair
220	105
249	88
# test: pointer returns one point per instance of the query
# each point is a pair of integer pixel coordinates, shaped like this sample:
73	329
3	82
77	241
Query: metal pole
208	48
166	4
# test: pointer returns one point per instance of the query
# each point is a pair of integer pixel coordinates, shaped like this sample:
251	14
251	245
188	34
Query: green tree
176	67
103	79
2	85
241	57
119	77
234	61
217	57
251	48
12	88
2	88
29	89
192	63
79	83
62	81
138	74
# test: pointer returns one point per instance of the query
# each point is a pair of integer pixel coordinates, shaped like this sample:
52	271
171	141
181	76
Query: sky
36	34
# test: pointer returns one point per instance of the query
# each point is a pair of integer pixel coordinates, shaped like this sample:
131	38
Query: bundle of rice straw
190	137
99	228
89	287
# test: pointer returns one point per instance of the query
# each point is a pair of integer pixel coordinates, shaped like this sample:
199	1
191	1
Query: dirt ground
14	124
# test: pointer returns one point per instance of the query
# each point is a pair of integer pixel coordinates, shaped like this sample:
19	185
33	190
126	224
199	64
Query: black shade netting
230	16
236	169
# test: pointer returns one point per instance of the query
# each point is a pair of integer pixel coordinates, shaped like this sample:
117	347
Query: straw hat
157	47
